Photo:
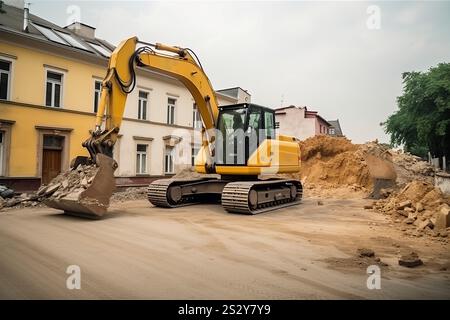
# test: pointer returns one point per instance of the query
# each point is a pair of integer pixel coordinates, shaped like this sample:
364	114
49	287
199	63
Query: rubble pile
20	201
420	207
67	182
132	193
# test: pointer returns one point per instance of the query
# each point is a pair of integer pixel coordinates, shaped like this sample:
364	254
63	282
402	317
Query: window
71	40
332	131
171	110
2	152
269	125
194	152
142	105
97	94
53	142
196	121
49	34
102	50
5	75
53	89
141	158
168	160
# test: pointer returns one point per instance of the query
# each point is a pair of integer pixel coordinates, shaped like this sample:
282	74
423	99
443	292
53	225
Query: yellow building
49	88
46	98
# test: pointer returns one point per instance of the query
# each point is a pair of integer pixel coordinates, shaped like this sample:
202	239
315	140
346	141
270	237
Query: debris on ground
190	173
363	258
364	252
71	181
410	260
422	207
6	192
131	193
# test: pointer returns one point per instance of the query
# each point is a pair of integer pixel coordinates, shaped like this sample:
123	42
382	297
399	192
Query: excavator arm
92	179
121	79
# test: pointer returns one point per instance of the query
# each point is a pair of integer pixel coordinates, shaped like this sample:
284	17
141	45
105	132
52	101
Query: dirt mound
325	147
329	162
336	163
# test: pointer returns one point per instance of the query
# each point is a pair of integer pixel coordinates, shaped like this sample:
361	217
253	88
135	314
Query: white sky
318	54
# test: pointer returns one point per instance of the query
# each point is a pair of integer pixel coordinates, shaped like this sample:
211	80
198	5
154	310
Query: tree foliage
422	121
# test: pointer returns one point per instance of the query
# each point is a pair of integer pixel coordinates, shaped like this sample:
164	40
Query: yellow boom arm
120	81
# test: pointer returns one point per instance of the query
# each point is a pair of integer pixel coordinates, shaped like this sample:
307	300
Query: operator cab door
260	126
254	133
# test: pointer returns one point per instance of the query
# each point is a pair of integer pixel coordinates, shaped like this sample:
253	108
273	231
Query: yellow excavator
238	143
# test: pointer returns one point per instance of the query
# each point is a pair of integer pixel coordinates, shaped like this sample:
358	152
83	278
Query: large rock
364	252
410	260
402	205
443	218
426	223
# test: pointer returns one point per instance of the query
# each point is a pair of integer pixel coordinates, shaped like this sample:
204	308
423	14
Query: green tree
422	121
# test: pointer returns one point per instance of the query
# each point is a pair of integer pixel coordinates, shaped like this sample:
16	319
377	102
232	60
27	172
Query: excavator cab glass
240	130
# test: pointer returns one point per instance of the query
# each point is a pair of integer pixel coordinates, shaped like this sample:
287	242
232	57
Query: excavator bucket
382	171
84	190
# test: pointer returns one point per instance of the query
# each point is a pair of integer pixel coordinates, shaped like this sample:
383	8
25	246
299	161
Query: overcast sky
321	55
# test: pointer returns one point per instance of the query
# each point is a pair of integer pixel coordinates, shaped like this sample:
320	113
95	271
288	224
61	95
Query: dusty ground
202	252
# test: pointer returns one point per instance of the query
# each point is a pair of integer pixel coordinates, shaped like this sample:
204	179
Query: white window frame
141	102
171	119
169	153
196	119
10	75
98	93
194	151
139	156
61	92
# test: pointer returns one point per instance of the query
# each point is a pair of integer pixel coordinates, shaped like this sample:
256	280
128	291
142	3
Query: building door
51	157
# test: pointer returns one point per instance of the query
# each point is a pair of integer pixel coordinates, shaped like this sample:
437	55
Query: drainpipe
26	14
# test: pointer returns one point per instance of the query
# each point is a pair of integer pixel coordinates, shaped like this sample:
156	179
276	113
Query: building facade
49	93
300	122
335	130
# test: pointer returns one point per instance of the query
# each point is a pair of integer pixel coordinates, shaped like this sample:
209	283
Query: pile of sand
329	162
334	166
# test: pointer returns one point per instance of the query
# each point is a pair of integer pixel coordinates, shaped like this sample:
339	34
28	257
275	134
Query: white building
160	133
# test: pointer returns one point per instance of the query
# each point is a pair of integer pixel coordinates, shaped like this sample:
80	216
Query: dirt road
201	252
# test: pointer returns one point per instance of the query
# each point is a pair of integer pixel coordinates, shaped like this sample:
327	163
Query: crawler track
246	197
236	196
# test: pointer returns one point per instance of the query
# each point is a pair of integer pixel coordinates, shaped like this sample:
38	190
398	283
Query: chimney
26	17
81	29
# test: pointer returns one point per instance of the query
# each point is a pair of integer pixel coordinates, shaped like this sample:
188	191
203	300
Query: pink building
300	122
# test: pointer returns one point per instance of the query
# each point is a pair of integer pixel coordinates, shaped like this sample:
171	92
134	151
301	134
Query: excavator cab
241	129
